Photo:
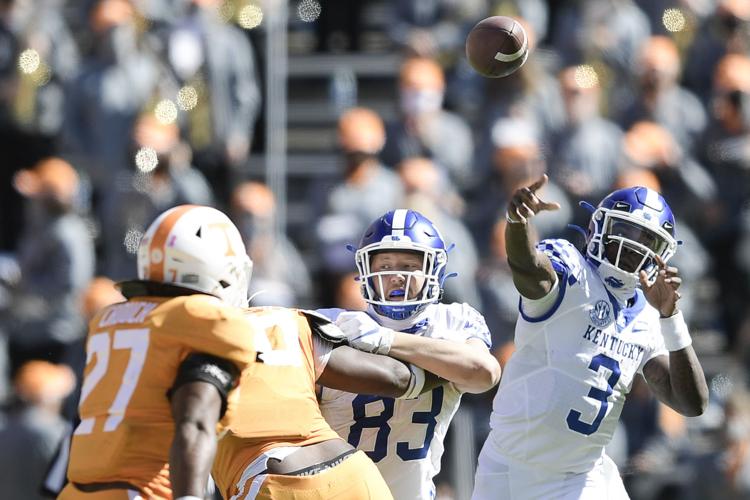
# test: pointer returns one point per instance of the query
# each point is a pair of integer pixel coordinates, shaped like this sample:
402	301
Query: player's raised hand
525	203
662	293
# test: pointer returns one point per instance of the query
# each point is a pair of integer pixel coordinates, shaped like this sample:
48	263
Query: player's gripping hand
524	204
364	333
662	294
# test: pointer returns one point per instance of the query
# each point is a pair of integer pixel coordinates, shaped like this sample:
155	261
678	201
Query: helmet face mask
197	248
408	289
629	229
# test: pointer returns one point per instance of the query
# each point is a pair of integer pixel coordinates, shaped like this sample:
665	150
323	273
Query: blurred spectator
280	276
217	61
517	160
727	31
659	98
499	295
428	193
8	59
724	472
424	128
586	151
348	293
34	428
116	82
160	177
651	146
430	28
367	191
609	31
656	439
727	156
39	95
56	261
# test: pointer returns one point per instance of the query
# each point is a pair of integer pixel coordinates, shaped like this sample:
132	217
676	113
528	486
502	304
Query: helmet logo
621	205
156	256
224	227
600	313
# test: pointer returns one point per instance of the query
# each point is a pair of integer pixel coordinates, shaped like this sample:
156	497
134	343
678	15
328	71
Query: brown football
497	46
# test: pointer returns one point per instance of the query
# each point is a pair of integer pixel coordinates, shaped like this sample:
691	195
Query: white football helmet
199	248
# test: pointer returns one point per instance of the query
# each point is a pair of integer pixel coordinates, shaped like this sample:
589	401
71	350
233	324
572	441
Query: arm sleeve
321	353
218	372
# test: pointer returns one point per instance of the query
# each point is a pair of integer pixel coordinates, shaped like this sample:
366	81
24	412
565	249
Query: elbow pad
220	373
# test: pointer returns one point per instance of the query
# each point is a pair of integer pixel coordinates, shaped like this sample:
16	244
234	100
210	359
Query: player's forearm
533	274
689	392
469	367
191	456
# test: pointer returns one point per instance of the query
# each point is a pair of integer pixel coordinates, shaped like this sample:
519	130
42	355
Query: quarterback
161	365
589	323
402	262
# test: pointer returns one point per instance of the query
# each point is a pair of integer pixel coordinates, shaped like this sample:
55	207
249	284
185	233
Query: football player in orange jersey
277	444
160	365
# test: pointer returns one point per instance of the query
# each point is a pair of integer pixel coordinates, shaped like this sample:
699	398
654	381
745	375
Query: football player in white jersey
588	325
402	266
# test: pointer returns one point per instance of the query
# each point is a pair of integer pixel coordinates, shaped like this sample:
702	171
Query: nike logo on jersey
613	344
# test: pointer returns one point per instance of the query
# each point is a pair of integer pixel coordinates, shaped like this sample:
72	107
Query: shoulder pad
323	327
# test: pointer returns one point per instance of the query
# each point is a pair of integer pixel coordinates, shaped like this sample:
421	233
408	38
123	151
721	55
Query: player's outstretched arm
677	380
360	372
532	271
196	407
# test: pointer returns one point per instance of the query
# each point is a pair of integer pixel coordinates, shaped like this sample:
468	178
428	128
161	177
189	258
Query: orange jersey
276	403
134	350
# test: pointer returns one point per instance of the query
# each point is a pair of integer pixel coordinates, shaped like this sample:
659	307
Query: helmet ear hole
224	284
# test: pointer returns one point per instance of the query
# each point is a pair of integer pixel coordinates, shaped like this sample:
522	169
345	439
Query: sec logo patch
600	313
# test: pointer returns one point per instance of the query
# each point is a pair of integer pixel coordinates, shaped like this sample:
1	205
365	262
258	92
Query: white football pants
498	478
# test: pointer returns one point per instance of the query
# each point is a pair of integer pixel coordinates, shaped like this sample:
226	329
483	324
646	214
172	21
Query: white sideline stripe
399	219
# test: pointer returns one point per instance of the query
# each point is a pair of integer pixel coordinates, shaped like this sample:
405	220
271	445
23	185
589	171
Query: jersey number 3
380	422
574	417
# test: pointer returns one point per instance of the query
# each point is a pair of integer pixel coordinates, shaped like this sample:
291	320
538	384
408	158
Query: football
497	46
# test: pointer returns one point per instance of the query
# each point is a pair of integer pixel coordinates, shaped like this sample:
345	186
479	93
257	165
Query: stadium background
112	111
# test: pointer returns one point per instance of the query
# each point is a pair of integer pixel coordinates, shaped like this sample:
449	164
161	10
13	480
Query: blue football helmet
627	230
402	230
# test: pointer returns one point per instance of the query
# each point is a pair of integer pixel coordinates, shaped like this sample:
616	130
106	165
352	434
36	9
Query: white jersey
405	437
563	389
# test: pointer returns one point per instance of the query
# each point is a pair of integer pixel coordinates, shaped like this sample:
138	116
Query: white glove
364	333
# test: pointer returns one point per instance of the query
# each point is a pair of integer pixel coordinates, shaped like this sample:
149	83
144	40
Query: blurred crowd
113	110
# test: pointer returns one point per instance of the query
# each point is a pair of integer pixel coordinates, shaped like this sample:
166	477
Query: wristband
189	497
675	332
416	383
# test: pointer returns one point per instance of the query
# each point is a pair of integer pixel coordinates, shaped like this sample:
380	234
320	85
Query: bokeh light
586	77
722	385
673	20
250	16
29	61
165	112
146	159
132	240
187	98
42	75
308	10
